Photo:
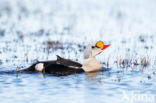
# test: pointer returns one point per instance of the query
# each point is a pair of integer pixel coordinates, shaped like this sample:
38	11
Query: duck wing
68	62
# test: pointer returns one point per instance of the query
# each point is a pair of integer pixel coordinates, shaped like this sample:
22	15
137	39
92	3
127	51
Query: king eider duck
63	66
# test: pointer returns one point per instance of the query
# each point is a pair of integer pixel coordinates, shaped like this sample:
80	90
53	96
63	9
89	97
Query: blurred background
32	30
32	23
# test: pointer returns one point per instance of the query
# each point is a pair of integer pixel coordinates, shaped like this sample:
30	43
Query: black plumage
57	67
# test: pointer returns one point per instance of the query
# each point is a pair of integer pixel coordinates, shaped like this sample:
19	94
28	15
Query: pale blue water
128	25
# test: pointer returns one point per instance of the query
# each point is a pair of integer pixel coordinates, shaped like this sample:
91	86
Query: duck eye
93	47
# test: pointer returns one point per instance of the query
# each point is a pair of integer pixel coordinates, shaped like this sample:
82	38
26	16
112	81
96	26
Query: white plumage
39	67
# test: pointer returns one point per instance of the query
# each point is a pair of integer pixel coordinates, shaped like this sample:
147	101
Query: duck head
98	48
93	50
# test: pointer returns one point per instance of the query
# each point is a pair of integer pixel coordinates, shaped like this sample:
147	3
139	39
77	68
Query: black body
59	67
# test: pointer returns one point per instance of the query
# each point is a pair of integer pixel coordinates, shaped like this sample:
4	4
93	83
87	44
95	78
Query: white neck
91	64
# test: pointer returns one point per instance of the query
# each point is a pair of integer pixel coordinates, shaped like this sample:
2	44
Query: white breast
91	65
